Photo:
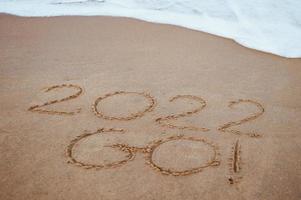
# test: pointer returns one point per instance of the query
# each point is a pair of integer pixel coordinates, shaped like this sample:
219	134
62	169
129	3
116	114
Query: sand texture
120	109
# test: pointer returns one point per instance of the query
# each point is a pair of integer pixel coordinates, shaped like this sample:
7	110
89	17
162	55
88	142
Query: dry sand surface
114	108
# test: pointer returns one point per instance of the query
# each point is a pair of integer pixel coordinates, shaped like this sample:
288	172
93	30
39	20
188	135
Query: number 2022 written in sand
164	121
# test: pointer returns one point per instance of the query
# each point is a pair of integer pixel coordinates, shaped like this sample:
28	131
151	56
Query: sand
114	108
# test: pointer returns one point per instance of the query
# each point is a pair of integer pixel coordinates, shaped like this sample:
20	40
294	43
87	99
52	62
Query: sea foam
272	26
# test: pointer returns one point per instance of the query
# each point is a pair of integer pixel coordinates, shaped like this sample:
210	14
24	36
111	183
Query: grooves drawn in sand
214	161
148	150
235	163
163	121
225	127
150	107
37	108
70	149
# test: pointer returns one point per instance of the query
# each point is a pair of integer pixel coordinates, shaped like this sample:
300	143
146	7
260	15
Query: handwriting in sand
164	121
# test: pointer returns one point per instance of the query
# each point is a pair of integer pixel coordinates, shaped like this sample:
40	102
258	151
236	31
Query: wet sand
114	108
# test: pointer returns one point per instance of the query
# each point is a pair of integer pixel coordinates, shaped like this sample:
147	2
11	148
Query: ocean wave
272	26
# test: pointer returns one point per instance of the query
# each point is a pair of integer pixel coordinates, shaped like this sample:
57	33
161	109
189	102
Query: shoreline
171	98
167	24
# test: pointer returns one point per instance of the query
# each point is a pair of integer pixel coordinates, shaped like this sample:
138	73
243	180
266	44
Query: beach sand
193	155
